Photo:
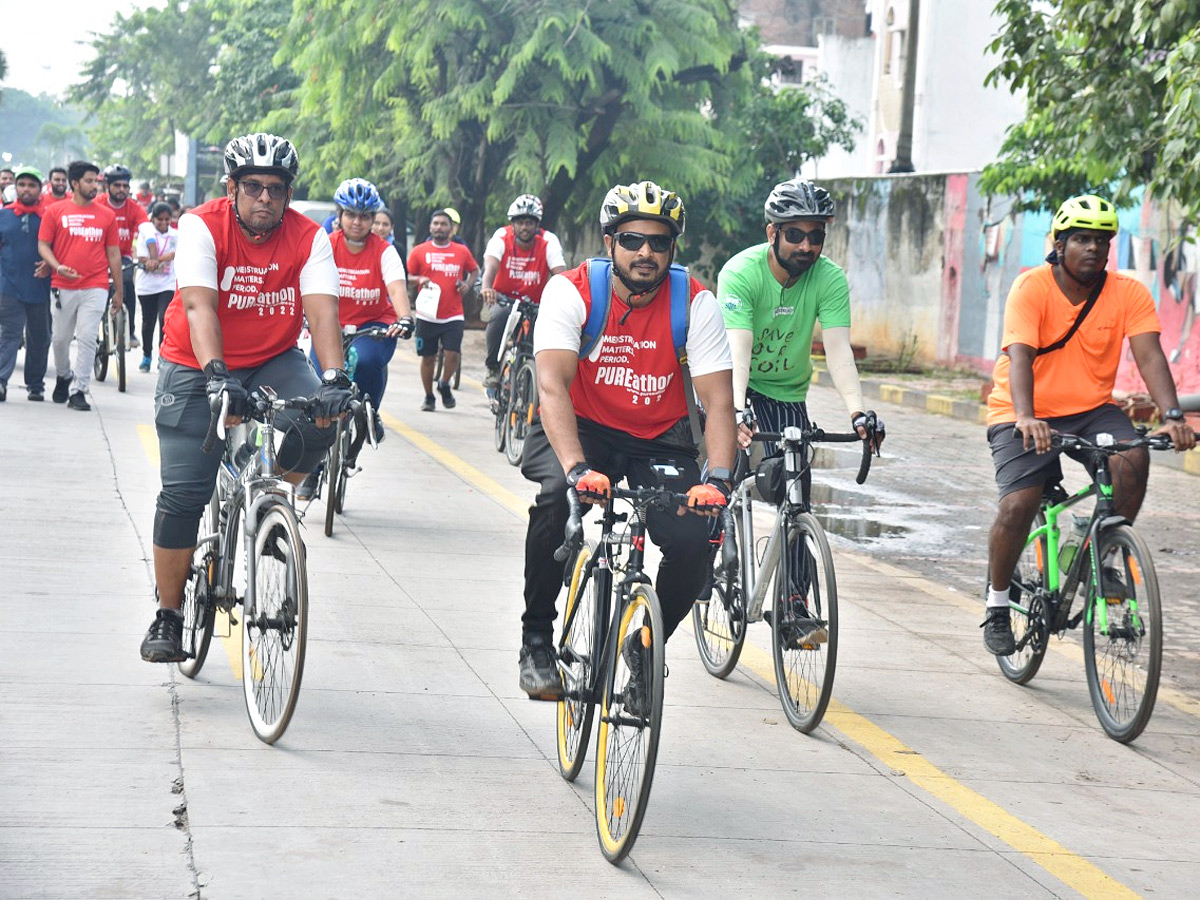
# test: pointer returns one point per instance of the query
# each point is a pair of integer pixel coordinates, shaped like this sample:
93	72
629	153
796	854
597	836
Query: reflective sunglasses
254	188
633	241
816	237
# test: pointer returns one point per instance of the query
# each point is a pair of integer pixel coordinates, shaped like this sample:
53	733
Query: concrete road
415	767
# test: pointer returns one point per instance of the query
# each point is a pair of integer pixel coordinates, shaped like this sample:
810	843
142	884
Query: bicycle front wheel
103	348
804	626
522	409
630	721
1122	635
719	622
340	477
275	624
1027	611
578	653
199	604
121	339
501	393
333	469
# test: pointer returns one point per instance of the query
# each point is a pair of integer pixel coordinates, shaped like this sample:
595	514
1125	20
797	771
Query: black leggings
154	307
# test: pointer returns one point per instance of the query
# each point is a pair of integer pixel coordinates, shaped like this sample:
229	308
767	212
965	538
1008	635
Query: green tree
1113	99
468	103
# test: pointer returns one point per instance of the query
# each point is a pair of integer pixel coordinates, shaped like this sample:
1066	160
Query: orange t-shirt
1079	376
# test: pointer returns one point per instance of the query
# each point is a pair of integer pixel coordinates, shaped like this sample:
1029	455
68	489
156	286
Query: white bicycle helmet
526	205
261	152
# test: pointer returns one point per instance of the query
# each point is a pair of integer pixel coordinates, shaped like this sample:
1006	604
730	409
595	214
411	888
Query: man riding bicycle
248	269
373	288
517	262
771	296
130	217
621	411
1064	327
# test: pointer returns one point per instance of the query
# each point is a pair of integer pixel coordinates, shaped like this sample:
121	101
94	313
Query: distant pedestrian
154	247
24	286
56	188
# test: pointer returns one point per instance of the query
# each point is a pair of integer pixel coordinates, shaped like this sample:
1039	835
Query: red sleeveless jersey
258	290
363	297
128	217
631	380
523	273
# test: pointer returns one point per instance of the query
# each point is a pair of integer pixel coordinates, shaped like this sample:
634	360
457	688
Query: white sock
997	598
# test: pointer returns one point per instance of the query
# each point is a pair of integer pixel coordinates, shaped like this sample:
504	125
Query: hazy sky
51	60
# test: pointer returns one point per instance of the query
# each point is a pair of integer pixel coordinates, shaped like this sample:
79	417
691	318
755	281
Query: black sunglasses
254	188
633	241
816	237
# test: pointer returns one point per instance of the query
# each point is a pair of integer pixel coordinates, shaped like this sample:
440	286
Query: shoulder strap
681	316
599	270
1083	314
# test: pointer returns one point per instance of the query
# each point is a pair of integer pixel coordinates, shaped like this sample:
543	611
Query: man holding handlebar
248	269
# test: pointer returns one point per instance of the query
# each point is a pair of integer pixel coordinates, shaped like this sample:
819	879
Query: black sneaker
3	392
448	400
79	402
636	696
1112	585
276	545
62	389
803	632
377	425
307	489
539	669
163	642
428	404
37	395
997	631
491	381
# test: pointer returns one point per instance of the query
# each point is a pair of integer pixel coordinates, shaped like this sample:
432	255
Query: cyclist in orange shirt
1065	324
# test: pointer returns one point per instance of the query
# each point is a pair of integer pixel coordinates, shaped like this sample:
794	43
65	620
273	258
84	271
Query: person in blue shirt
24	286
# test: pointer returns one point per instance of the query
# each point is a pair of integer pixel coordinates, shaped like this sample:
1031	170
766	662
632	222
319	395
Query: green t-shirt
782	319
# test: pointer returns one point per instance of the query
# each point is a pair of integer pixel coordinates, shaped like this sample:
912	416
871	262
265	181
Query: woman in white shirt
154	280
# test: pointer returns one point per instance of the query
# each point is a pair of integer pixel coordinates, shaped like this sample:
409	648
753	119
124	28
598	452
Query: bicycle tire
521	411
275	623
337	485
1124	665
333	467
120	323
627	745
103	348
719	623
804	673
1031	631
578	653
199	605
500	408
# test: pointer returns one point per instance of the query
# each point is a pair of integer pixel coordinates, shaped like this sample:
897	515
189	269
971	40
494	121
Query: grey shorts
1018	468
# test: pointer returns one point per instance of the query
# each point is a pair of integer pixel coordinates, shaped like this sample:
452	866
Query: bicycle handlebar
648	497
819	435
1075	442
260	404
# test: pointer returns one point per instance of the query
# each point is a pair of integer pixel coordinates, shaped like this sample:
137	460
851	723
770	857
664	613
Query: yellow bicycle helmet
643	200
1087	211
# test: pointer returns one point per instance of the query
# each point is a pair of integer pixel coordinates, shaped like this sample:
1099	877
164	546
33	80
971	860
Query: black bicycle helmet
797	199
117	172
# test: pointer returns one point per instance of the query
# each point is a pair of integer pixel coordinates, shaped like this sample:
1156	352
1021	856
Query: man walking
24	286
79	242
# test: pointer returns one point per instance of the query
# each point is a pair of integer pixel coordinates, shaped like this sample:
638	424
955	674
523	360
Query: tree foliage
1113	90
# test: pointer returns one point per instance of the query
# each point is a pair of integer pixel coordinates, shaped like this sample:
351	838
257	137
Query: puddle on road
839	512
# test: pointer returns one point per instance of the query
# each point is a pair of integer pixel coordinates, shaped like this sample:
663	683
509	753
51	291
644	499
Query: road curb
969	411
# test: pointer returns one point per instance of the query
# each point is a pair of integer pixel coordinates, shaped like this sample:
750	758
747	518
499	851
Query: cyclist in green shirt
771	296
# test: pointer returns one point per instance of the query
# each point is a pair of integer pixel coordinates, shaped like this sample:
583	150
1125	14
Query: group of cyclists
627	346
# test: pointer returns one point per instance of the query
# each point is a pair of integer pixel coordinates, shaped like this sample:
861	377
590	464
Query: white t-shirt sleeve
554	251
144	233
707	344
392	266
561	316
320	274
196	255
495	246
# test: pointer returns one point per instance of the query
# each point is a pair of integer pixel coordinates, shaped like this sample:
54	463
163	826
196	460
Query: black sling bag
1083	314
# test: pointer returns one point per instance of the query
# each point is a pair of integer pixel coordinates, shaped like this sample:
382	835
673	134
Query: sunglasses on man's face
633	241
816	237
254	188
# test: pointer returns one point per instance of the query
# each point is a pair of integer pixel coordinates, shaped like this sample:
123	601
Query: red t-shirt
523	273
631	380
362	295
79	237
129	217
258	291
445	267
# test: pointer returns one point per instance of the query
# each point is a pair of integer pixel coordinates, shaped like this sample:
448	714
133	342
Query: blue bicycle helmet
357	195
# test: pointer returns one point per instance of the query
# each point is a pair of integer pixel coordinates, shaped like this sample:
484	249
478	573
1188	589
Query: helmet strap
634	291
260	234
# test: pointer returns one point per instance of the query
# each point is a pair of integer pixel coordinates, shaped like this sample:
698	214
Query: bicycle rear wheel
275	624
120	339
199	604
719	622
804	665
103	348
627	746
333	469
578	653
1027	612
1122	635
521	411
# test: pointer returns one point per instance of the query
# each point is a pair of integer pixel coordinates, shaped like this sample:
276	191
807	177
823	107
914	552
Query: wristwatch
1174	413
334	376
721	474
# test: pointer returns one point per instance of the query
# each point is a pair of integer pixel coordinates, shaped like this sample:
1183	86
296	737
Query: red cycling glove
705	496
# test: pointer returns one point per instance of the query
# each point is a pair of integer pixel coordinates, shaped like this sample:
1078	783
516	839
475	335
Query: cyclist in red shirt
620	411
248	269
518	261
129	217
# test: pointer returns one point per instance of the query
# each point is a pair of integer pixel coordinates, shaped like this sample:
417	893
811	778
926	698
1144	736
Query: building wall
801	22
930	262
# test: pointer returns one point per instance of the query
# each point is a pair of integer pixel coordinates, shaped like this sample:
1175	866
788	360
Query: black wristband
216	368
577	471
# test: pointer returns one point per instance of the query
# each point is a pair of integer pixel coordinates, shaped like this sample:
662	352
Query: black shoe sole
179	656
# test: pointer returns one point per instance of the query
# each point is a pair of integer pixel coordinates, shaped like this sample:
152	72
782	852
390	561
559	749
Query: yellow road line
1071	869
149	439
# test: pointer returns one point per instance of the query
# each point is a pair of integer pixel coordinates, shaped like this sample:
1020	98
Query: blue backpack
600	283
